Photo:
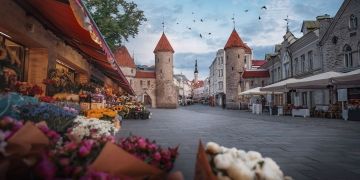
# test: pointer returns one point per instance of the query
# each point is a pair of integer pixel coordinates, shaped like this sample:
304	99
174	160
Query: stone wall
333	56
166	92
234	65
147	87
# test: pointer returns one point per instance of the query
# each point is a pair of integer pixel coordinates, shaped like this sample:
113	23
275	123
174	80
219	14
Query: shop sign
342	95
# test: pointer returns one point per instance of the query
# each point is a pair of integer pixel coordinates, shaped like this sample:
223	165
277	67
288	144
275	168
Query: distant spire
287	23
196	69
233	20
163	25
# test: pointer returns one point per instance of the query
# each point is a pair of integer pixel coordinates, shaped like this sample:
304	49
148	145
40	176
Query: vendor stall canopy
70	20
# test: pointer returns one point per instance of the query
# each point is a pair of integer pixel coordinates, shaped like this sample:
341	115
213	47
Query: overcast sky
179	15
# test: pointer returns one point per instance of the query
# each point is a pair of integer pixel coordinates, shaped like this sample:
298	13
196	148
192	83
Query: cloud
261	35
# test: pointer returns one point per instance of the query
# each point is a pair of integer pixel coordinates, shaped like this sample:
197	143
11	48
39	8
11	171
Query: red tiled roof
258	62
247	49
163	45
255	74
145	74
123	57
198	84
235	41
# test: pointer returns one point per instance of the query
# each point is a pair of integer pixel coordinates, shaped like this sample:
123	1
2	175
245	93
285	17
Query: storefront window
66	69
12	62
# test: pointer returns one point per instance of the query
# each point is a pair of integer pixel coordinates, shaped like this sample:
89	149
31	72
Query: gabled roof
198	84
289	37
145	74
235	41
340	12
255	74
163	45
123	57
258	62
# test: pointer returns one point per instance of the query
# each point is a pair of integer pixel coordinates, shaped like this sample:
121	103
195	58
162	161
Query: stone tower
235	51
196	73
166	94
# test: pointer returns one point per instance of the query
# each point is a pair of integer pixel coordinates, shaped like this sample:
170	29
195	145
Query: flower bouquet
218	162
91	128
57	118
28	89
150	152
103	113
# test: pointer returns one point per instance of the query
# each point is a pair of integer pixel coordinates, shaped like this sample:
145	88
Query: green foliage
117	19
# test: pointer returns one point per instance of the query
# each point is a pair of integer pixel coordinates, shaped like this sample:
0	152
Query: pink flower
70	146
142	143
83	151
88	143
45	168
157	156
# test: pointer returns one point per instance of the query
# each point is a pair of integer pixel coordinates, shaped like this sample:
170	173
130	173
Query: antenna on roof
233	20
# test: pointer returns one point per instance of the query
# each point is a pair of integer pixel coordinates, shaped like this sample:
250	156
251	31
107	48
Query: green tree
117	19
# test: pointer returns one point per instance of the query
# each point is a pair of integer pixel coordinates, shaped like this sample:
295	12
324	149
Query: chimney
324	23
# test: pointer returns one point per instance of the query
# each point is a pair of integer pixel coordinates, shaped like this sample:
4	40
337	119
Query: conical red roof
235	41
123	57
163	45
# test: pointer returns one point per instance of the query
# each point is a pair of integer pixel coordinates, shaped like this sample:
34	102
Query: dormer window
353	22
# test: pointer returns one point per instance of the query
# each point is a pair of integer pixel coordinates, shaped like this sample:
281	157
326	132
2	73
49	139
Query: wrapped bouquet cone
28	139
119	163
202	168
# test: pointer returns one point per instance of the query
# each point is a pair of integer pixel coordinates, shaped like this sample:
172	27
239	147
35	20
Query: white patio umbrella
318	81
279	86
256	91
350	78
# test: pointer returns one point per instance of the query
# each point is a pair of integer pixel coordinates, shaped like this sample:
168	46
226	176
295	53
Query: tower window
148	82
160	70
348	56
238	55
353	22
141	82
232	68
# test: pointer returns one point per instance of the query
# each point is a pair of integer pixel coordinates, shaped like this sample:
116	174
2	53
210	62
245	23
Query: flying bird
200	36
259	18
264	7
194	20
189	28
177	23
201	20
246	10
209	33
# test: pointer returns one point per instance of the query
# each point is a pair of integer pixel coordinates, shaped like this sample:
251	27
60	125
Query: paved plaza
305	148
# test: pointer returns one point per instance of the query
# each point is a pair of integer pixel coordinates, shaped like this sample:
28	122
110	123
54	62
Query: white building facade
217	80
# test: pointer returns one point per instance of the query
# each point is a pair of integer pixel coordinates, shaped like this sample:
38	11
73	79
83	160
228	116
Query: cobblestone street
305	148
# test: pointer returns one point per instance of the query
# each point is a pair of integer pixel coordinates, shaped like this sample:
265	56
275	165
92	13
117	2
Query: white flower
220	176
212	148
253	155
239	171
270	170
223	161
85	127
